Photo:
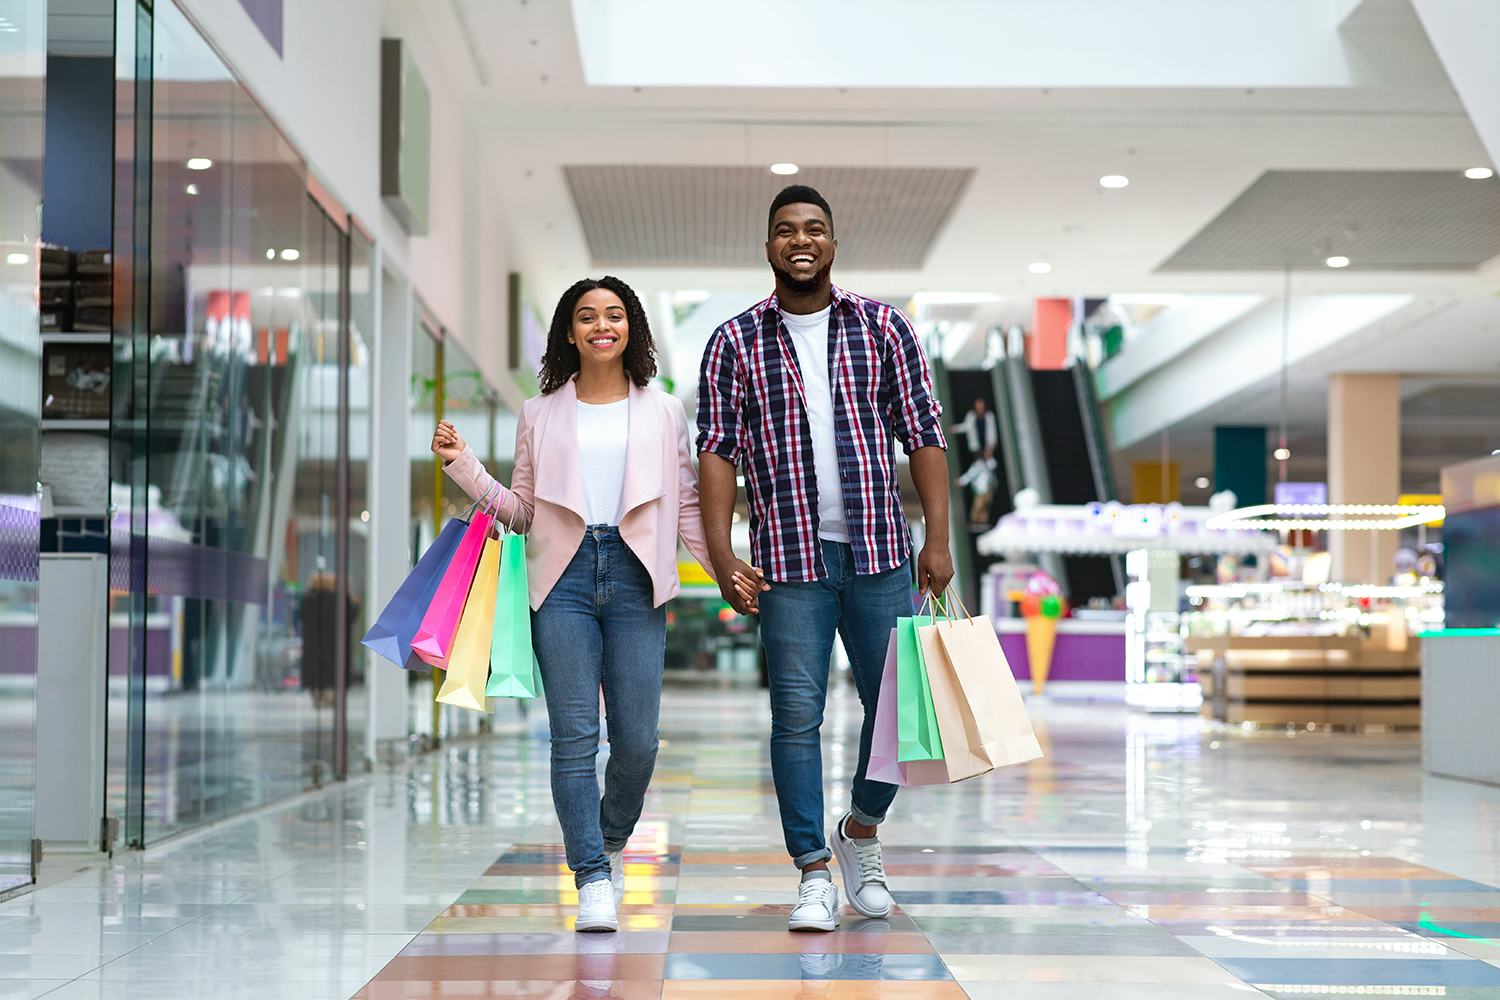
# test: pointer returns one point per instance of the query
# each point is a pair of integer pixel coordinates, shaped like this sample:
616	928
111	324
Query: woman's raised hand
446	443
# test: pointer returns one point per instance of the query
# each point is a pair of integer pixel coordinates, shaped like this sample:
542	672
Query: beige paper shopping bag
469	663
985	708
951	708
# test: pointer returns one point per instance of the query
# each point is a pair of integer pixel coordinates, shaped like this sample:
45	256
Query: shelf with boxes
77	366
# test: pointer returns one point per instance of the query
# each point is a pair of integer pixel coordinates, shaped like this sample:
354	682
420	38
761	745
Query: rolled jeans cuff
821	854
584	880
863	818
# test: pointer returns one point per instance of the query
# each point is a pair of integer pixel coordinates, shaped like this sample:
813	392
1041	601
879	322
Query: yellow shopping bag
469	664
980	712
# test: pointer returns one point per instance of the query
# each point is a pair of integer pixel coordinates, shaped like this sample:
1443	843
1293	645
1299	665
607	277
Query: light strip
1327	517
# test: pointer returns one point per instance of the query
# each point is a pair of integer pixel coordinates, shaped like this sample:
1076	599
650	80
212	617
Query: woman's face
600	329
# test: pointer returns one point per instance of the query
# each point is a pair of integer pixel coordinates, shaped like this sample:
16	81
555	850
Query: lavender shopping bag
434	638
391	636
883	765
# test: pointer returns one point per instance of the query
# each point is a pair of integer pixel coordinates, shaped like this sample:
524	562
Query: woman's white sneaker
617	874
596	907
864	872
817	906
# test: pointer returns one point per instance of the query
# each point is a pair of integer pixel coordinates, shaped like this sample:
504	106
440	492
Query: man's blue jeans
797	625
596	629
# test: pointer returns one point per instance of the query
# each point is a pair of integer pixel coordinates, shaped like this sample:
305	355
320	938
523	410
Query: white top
810	338
602	432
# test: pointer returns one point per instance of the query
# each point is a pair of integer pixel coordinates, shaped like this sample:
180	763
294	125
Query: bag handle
469	511
952	618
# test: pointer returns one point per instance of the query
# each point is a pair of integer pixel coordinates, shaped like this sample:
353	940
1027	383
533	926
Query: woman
604	483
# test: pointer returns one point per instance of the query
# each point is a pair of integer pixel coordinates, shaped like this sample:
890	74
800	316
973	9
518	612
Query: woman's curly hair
560	361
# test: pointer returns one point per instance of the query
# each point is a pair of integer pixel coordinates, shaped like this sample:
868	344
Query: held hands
446	443
742	586
934	569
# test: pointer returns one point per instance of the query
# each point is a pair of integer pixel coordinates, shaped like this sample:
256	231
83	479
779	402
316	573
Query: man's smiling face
801	247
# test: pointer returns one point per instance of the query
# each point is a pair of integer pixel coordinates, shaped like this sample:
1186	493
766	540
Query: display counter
1085	650
1461	703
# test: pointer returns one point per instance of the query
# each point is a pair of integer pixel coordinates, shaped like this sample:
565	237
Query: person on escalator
981	479
981	433
806	393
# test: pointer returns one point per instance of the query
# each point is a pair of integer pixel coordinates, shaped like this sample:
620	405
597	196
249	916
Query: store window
22	99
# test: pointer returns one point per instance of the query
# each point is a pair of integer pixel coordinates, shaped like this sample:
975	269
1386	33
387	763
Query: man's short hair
797	194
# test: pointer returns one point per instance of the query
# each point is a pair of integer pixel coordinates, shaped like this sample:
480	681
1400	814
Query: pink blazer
545	499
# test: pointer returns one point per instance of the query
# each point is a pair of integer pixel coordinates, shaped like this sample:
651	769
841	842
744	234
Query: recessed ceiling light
290	253
784	169
1040	267
1201	482
1114	181
199	163
1282	454
17	258
1479	173
1337	261
270	255
192	189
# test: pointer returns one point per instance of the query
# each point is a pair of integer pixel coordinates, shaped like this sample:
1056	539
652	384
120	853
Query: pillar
1047	348
390	501
1240	463
1364	466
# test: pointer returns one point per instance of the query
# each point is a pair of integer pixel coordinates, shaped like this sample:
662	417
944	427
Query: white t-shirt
810	338
602	432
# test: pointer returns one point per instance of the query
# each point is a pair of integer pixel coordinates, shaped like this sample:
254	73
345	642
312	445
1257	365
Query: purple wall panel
1075	658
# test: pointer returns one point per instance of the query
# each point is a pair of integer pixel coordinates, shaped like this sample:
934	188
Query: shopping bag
434	638
884	764
513	670
469	660
980	712
916	720
396	626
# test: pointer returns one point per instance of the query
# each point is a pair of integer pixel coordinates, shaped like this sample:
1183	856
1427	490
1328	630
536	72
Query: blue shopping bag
391	636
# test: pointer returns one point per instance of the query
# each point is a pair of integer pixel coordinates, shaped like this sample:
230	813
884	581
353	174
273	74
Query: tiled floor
1145	857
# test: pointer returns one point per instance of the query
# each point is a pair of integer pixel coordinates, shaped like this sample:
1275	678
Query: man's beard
802	286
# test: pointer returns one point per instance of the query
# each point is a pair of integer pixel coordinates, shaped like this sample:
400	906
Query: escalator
969	394
1077	469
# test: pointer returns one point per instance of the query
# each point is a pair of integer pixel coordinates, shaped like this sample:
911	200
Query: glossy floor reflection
1143	858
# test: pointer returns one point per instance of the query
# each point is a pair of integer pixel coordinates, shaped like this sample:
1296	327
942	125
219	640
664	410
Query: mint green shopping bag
917	735
513	670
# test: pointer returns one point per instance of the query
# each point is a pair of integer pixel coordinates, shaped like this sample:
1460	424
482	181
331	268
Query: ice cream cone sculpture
1042	606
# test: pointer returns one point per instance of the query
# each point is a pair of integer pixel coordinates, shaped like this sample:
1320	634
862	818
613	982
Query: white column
1364	466
390	499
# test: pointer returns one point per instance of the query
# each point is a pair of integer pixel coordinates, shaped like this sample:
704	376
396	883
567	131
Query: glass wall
361	279
23	62
425	400
228	587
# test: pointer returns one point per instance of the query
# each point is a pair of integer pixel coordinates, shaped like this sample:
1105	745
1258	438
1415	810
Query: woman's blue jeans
597	629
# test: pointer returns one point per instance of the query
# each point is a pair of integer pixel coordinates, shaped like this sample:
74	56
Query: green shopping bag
513	670
917	735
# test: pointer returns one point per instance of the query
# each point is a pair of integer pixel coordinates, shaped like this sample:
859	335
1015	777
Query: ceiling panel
1382	220
886	218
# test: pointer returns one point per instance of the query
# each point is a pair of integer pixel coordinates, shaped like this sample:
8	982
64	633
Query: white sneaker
596	907
864	872
817	906
617	874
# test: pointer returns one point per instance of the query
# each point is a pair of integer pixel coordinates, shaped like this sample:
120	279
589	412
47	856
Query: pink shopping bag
434	638
883	764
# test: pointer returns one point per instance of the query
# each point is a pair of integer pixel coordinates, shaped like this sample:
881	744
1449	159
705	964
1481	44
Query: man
805	391
980	430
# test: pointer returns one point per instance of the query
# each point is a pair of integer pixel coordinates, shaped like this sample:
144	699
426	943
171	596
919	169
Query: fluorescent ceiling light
199	163
1337	260
784	169
1114	181
17	258
1040	267
290	253
1328	517
1479	173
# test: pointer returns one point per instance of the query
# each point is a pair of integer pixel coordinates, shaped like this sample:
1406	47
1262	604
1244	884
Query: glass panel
239	452
466	402
23	61
362	278
424	402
